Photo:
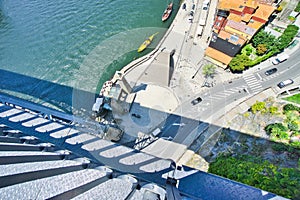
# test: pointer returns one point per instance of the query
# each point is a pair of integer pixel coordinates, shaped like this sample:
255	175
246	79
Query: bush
246	114
295	144
297	9
289	107
279	126
293	126
258	106
261	49
273	110
239	63
291	18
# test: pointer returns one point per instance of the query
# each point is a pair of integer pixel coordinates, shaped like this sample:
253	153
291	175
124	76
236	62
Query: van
280	59
285	83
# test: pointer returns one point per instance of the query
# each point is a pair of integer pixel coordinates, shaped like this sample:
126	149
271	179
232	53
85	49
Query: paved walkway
156	100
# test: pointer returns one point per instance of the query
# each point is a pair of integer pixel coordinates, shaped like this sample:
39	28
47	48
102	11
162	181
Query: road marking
253	83
259	76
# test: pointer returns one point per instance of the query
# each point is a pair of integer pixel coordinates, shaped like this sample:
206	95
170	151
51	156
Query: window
234	38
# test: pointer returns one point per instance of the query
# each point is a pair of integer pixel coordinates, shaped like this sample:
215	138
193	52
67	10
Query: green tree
209	70
263	37
290	107
239	63
297	9
287	36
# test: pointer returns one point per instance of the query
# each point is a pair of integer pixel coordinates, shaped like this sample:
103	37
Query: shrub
239	63
279	126
273	110
258	106
289	107
297	9
261	49
291	18
246	114
293	126
295	144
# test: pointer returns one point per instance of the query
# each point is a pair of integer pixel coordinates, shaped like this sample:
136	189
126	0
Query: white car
285	83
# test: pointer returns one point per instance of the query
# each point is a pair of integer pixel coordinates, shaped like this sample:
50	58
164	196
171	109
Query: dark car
271	71
285	83
196	101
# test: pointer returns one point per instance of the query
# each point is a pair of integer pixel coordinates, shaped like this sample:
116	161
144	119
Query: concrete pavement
156	101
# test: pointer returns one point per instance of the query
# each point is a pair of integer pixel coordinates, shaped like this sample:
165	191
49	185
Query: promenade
165	81
161	82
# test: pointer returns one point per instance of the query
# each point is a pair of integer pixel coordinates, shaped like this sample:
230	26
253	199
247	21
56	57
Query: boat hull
167	12
146	43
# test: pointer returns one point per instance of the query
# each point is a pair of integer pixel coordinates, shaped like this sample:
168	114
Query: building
236	23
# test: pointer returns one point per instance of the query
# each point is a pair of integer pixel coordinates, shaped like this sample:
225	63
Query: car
281	58
270	71
196	101
285	83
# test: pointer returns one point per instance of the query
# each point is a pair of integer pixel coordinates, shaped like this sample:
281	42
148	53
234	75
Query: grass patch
295	98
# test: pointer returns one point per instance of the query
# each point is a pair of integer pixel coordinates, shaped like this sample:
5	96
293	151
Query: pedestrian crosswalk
253	83
226	93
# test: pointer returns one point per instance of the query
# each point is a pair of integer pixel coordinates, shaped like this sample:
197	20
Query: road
189	117
219	96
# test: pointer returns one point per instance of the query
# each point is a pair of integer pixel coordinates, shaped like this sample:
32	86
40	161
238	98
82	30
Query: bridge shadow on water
61	97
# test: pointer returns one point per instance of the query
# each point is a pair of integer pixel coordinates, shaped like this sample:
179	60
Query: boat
146	43
167	12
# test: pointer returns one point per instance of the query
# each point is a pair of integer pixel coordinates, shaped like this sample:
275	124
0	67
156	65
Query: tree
263	37
287	36
289	107
261	49
297	9
209	70
239	63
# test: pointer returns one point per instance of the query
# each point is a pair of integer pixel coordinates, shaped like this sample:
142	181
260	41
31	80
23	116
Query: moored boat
167	12
146	43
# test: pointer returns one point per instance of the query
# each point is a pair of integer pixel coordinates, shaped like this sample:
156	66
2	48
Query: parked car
280	59
270	71
285	83
196	101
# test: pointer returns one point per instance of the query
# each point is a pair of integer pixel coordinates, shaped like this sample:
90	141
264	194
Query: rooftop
218	55
264	11
241	27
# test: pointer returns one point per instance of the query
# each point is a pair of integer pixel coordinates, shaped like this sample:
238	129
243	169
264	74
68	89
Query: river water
49	49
